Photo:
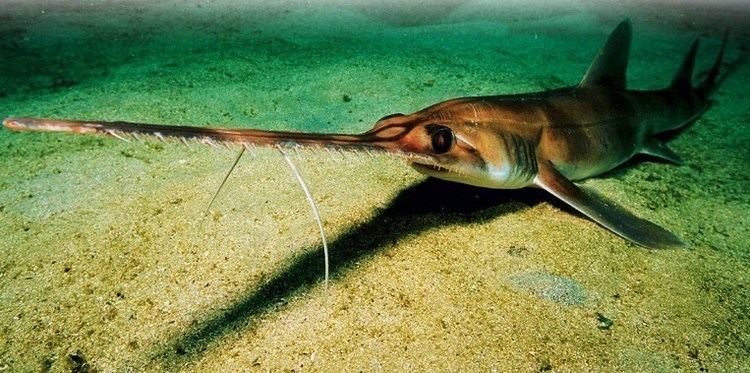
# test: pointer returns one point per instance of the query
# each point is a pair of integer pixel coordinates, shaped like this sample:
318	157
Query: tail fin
709	85
682	81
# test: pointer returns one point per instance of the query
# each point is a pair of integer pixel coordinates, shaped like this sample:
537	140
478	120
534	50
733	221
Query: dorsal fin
683	79
608	68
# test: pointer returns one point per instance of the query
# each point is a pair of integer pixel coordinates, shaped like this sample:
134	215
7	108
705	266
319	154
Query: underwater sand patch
553	288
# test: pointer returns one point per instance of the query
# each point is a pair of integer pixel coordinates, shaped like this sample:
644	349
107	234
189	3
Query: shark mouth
429	168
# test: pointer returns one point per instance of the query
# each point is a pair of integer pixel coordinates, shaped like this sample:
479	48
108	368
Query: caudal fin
709	85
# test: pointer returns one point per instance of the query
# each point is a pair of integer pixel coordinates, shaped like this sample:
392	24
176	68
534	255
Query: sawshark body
545	139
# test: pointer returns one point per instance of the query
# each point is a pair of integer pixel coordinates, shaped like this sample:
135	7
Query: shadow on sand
428	204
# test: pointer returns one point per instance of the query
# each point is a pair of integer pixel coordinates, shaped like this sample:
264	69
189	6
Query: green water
106	265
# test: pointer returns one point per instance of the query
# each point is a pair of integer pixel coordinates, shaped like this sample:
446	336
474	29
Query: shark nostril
442	139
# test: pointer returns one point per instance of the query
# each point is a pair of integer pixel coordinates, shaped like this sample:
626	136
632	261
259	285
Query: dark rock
603	322
78	363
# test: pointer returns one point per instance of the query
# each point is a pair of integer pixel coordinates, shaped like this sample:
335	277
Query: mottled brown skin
583	131
544	139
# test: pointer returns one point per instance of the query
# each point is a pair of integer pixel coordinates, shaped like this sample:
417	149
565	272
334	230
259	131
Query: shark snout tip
10	123
17	124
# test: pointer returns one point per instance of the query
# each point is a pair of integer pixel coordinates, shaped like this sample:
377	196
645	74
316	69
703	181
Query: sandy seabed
106	264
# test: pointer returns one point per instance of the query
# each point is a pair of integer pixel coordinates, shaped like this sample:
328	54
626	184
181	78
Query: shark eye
442	139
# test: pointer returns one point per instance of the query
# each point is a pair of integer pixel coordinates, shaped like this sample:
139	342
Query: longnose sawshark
544	139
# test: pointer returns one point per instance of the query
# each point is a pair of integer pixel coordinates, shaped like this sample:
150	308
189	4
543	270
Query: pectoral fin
606	213
655	147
